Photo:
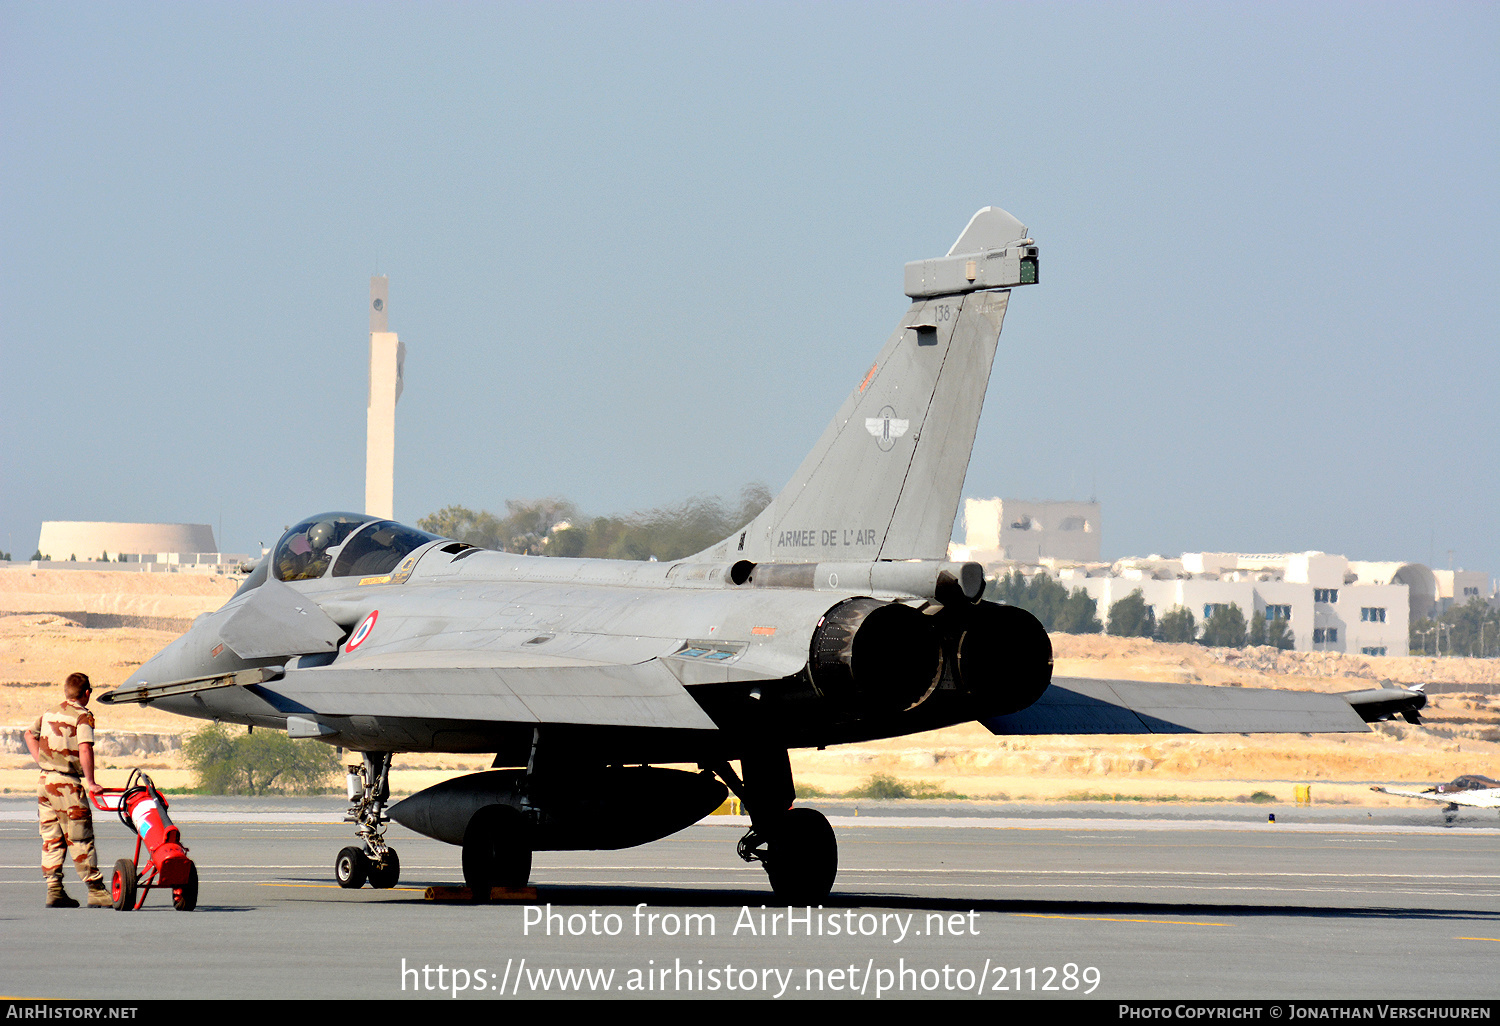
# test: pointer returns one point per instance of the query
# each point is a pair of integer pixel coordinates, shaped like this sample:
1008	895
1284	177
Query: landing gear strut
797	846
376	861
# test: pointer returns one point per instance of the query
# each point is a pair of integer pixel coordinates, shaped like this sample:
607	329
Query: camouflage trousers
66	822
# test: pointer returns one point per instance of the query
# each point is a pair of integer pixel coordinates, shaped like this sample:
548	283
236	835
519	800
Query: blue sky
641	251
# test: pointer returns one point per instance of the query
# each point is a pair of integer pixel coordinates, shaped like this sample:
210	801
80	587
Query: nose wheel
375	861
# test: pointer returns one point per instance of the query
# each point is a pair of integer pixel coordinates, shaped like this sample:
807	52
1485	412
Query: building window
1278	612
1325	595
1325	635
1373	651
1210	608
1372	614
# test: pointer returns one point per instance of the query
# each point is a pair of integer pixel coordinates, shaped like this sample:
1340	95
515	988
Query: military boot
56	896
99	896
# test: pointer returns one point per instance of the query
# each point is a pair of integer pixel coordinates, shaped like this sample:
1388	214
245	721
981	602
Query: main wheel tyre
351	868
386	872
122	886
497	850
185	898
802	858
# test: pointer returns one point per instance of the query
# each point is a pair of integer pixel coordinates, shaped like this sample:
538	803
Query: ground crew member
62	743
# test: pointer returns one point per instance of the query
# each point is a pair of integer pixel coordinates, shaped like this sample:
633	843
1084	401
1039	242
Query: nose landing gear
376	861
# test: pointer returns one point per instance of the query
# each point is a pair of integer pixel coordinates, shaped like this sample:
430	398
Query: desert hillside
42	640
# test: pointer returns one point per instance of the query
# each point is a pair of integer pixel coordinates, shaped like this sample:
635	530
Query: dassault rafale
1471	789
834	616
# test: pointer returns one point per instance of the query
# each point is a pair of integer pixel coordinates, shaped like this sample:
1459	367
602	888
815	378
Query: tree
263	762
1042	596
1178	625
1279	635
1009	590
1079	614
555	527
1472	629
463	524
528	523
1224	628
1258	628
567	542
1131	617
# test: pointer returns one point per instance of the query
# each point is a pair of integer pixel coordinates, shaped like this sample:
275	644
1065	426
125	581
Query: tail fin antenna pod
885	478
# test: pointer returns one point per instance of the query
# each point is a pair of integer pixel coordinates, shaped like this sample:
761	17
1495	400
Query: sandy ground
1461	733
119	592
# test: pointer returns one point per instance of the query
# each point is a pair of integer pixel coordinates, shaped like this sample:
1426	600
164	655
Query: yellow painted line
1111	919
1495	939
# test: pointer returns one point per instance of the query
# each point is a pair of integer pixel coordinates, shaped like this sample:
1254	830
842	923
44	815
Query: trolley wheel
386	872
122	886
351	868
185	898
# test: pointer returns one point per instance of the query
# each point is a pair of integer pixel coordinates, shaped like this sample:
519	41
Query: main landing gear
797	846
498	840
376	861
497	850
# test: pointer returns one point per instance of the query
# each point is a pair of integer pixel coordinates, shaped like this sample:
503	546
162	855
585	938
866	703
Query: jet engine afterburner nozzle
883	656
1004	658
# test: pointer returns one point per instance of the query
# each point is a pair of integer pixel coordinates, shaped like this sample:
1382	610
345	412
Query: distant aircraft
834	616
1471	789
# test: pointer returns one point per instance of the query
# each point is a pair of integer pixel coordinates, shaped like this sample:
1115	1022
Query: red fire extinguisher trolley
143	810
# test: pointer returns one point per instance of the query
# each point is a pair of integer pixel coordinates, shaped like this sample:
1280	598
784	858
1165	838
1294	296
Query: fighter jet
1471	789
834	616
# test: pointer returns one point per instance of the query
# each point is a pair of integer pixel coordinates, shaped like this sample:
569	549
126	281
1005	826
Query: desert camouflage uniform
62	801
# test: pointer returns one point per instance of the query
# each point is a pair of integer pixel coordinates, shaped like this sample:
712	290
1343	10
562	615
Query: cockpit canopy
354	544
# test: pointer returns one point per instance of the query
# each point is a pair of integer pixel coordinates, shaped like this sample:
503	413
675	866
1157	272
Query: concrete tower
387	356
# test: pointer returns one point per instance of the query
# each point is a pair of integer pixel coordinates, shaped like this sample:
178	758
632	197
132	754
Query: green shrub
258	763
883	785
1176	625
1131	617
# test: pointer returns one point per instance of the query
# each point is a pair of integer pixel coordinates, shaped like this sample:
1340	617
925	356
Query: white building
1457	587
106	545
1026	531
1326	603
89	540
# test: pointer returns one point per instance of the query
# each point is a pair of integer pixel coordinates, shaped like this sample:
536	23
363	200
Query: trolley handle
113	799
107	800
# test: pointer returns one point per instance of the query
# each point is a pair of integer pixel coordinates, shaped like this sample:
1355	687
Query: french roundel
363	631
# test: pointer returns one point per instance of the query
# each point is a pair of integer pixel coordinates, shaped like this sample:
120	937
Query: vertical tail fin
884	480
